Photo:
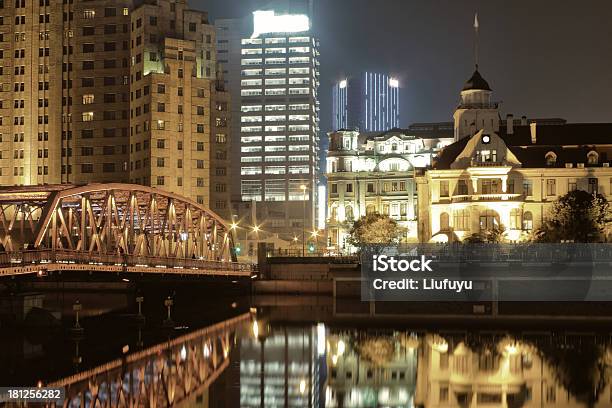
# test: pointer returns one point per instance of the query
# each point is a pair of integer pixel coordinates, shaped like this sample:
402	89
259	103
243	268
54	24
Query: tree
494	235
577	216
375	229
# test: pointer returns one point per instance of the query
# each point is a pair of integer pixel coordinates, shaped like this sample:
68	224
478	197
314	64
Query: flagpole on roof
476	27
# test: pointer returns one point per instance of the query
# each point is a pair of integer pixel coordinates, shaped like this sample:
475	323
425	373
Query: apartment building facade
81	98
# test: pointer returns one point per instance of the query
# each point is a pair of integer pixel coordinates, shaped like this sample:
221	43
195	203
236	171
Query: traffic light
237	249
311	248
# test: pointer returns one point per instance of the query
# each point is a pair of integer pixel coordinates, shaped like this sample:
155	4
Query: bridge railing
41	257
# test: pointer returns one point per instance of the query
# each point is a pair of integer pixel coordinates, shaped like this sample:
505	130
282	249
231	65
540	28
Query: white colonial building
507	173
374	172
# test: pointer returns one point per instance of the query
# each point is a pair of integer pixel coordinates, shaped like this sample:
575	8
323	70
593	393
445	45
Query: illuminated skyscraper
369	102
279	121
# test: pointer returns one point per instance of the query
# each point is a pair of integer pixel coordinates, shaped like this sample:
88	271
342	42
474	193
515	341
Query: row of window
277	50
274	40
274	118
275	81
254	170
275	107
274	61
275	71
385	187
292	148
259	159
275	128
274	138
494	186
275	91
487	220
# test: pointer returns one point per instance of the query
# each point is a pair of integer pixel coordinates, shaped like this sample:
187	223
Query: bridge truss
124	220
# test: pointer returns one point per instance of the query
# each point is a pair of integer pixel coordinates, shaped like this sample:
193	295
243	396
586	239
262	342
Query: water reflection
281	367
402	368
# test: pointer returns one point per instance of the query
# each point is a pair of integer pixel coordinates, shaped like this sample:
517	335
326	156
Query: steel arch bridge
110	227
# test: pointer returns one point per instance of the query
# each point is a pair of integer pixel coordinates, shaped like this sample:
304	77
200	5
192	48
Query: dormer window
487	156
394	147
592	157
551	158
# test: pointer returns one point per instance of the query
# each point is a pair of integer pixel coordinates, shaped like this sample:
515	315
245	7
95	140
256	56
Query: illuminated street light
256	228
233	226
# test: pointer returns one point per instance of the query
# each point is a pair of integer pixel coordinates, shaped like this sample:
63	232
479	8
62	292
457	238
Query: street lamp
315	236
303	188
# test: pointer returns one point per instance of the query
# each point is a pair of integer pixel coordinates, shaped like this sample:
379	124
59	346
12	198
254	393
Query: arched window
348	213
515	218
334	213
444	222
592	157
371	209
551	158
527	221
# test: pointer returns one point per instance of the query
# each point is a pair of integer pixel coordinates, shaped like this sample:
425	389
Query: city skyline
526	61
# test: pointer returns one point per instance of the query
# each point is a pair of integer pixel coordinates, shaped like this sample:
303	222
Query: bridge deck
43	261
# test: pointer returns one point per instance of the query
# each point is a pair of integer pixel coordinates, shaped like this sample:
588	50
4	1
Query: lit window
88	116
88	99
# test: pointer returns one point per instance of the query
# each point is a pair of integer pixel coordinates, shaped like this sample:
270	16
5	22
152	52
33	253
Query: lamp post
303	187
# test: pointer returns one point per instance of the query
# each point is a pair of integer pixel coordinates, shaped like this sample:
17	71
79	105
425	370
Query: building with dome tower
476	110
505	174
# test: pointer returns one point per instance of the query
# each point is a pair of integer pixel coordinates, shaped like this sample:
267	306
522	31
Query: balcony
487	197
479	163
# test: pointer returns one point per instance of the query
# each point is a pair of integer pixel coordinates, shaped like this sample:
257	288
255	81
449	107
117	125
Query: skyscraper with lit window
279	122
369	102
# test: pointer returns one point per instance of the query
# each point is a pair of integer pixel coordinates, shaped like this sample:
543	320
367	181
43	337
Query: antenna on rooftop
476	27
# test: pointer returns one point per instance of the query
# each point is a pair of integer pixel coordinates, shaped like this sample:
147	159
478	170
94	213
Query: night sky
544	58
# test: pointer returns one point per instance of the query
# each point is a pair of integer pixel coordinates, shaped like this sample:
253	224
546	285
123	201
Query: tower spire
476	27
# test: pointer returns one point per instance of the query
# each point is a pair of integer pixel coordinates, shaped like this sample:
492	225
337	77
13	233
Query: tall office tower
369	102
279	133
229	35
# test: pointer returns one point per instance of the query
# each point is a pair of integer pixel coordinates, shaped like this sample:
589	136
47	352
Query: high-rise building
279	123
229	35
368	102
111	92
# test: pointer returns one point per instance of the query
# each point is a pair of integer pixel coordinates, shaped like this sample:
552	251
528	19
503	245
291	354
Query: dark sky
543	58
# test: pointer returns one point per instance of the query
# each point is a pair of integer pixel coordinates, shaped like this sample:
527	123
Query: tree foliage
375	229
494	235
577	216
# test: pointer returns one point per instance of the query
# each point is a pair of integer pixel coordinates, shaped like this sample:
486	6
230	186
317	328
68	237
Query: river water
219	351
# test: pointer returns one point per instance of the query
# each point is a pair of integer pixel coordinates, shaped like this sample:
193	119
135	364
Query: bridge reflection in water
108	227
168	374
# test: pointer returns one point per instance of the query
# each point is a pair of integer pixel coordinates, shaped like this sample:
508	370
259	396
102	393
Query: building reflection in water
321	367
282	367
370	369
